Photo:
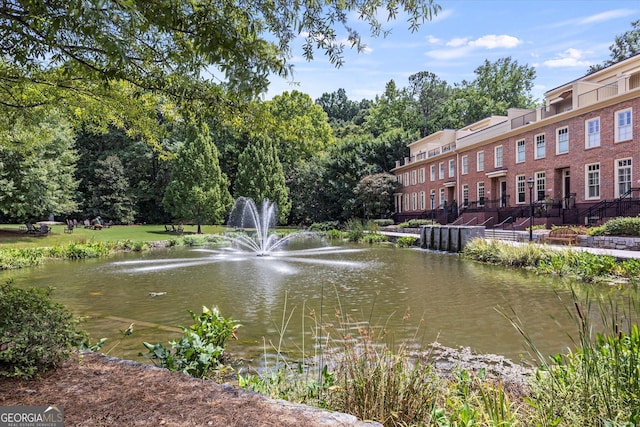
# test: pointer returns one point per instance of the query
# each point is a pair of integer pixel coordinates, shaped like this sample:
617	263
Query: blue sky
559	38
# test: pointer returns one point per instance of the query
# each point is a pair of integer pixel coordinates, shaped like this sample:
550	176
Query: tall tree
497	87
430	92
260	176
198	190
392	110
298	128
110	193
375	194
624	46
39	181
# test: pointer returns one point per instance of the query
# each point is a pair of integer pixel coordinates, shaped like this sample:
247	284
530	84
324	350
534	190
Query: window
433	199
497	156
452	168
414	201
592	131
541	150
465	195
405	202
433	172
623	176
481	194
541	185
442	199
441	170
593	181
521	188
421	175
465	165
623	125
422	201
562	140
406	179
414	177
399	179
520	151
480	161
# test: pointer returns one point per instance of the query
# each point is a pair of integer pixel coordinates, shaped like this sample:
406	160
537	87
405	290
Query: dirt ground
98	390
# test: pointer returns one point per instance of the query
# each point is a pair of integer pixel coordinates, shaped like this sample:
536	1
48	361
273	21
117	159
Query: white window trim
495	156
478	155
465	164
525	190
535	146
616	127
586	132
441	170
586	182
524	144
616	168
432	173
452	168
558	152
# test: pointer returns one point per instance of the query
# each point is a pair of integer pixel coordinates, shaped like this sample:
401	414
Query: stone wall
611	242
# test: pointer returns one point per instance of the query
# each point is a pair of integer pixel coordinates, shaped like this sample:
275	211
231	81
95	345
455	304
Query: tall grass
598	382
357	368
586	266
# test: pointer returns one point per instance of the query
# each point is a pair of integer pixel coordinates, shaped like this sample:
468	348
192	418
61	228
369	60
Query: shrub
374	238
355	230
200	349
334	234
407	241
623	226
416	223
383	222
35	333
324	226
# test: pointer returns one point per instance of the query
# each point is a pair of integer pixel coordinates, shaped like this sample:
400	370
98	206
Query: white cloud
442	15
492	41
448	54
433	39
457	42
568	58
606	16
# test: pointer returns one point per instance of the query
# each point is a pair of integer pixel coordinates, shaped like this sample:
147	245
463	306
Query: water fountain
253	235
246	216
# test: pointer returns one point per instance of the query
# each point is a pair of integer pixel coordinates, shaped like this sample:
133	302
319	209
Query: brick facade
575	171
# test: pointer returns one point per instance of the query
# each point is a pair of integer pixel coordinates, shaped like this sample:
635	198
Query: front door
503	193
566	188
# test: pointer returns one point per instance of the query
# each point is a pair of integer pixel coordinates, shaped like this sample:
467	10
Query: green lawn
57	236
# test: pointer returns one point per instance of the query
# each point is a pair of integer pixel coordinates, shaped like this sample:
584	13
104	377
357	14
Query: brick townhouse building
573	161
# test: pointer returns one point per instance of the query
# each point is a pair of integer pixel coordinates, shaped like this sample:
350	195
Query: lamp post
433	196
530	184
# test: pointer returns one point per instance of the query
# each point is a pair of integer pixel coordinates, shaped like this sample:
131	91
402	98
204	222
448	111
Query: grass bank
586	266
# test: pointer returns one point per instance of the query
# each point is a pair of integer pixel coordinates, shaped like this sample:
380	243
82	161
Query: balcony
598	94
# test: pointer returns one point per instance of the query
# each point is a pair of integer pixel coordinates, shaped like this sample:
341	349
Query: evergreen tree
37	179
110	193
198	189
260	176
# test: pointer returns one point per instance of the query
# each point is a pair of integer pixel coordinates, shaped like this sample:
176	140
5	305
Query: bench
561	235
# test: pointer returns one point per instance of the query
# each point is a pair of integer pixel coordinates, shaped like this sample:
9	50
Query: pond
458	300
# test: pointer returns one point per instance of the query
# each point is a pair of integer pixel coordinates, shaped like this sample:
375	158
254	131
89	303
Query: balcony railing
598	94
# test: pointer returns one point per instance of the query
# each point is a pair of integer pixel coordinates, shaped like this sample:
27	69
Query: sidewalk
618	254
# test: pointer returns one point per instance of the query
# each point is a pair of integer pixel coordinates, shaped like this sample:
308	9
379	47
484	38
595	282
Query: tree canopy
198	190
624	46
85	52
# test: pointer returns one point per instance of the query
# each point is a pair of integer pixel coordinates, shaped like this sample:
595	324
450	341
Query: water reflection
387	286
